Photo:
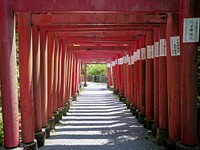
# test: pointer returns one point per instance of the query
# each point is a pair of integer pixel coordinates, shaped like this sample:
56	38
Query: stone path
98	121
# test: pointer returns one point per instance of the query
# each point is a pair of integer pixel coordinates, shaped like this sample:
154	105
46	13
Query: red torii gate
160	87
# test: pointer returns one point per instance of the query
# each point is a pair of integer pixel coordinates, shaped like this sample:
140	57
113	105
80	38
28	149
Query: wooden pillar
149	79
188	65
26	87
163	105
8	75
51	57
156	80
55	83
43	56
173	66
36	80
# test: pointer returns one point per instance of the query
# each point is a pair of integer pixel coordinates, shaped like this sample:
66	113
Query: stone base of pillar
148	124
128	104
57	117
170	145
134	110
154	130
180	146
40	138
141	117
30	146
69	103
78	92
162	137
121	97
131	107
47	130
74	97
51	123
136	113
115	92
60	113
64	111
85	85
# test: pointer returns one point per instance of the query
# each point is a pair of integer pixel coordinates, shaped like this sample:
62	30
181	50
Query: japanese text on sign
175	45
163	51
132	59
129	60
138	54
135	56
143	53
149	52
191	30
156	49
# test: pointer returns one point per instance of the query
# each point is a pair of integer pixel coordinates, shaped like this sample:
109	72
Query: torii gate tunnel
150	47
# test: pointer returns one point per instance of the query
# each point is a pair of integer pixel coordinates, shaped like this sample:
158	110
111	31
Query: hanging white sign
138	54
108	65
128	60
143	53
132	59
163	51
135	56
113	63
116	61
191	30
149	52
156	49
175	45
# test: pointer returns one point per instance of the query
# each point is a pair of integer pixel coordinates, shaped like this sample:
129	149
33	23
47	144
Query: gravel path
97	121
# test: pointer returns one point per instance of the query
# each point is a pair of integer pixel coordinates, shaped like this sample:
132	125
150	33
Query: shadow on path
97	121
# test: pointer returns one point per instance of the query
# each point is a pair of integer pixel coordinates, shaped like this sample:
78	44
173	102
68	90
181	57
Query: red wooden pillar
36	80
188	65
63	68
59	76
141	80
51	56
85	74
143	75
43	47
163	105
138	80
156	80
173	66
67	76
55	76
71	74
135	77
149	79
25	66
8	75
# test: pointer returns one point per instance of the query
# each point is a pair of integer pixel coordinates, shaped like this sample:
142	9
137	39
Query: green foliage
96	69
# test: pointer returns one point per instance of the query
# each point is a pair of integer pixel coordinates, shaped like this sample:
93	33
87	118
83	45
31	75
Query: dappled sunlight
97	121
77	142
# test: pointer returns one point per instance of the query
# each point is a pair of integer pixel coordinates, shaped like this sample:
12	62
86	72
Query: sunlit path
97	121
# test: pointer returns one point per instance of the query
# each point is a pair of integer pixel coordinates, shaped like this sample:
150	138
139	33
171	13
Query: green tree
96	69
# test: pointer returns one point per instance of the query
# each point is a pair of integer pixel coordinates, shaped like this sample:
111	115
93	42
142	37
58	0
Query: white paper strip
163	51
143	53
191	30
138	54
132	59
175	45
108	65
156	49
149	52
